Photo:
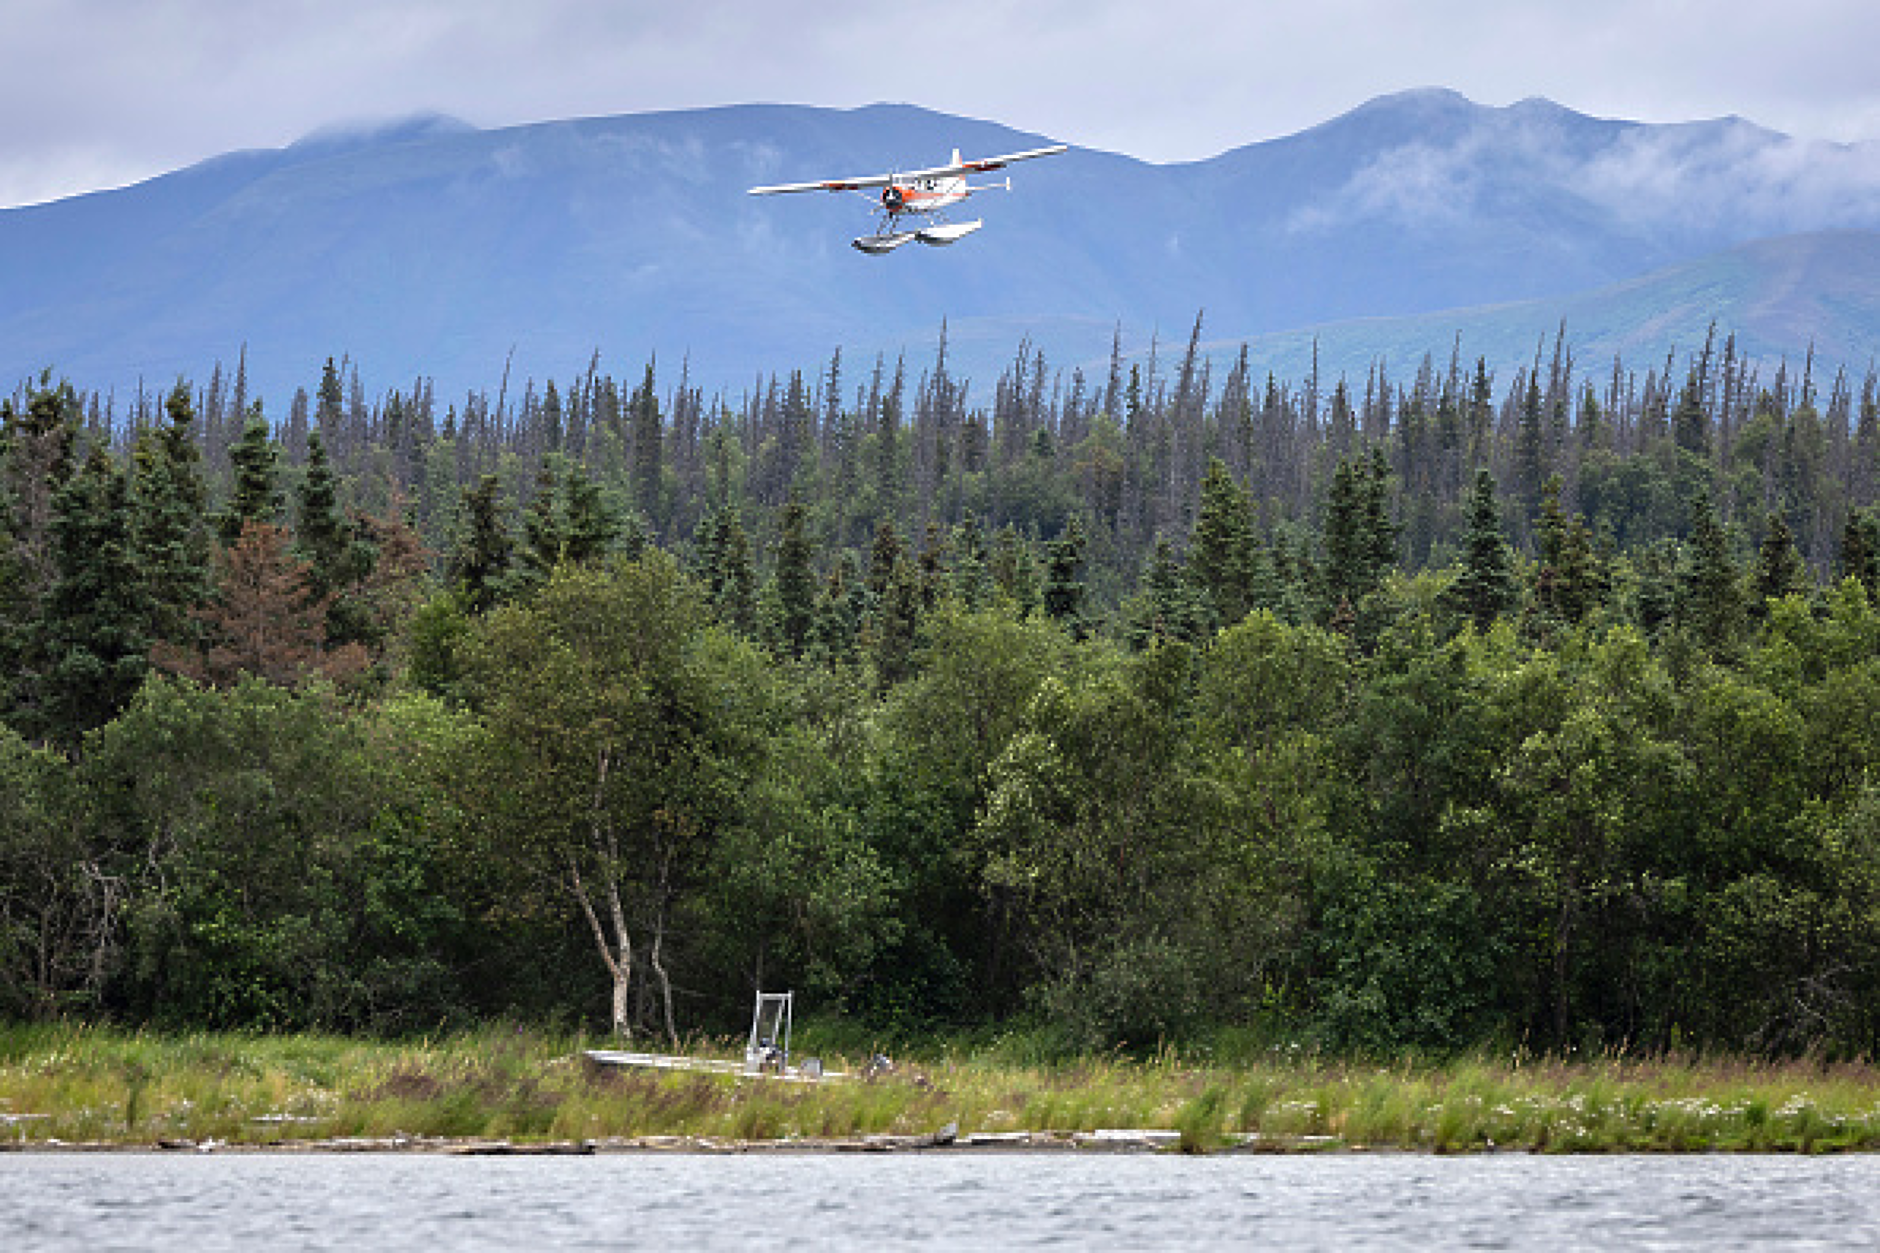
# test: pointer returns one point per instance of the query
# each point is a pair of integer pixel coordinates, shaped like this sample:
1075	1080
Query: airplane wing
999	163
977	166
981	164
833	184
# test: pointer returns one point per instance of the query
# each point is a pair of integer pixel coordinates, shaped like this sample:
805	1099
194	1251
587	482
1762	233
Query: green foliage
1406	965
1154	733
289	860
1484	589
256	494
94	621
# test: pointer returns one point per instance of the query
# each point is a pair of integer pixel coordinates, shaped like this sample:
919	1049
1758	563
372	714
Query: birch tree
612	761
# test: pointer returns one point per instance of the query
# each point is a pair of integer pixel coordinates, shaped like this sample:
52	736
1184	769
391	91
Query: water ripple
839	1201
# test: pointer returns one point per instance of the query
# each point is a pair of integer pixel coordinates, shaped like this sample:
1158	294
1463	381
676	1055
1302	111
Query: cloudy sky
98	93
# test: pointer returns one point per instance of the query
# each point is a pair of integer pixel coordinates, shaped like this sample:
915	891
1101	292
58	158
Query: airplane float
919	194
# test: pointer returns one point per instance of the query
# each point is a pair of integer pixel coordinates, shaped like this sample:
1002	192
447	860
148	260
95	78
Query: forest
1420	712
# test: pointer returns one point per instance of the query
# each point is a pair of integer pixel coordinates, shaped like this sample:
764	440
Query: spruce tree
1566	578
1223	551
838	614
1485	588
796	578
1171	606
544	533
256	496
35	461
264	620
648	450
590	528
970	577
1380	533
1860	549
1780	570
94	625
169	526
321	536
1063	593
736	601
897	620
481	563
1014	573
883	555
1346	573
1711	597
1530	452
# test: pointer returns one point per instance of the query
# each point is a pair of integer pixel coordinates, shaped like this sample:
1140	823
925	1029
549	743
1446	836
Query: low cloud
1726	178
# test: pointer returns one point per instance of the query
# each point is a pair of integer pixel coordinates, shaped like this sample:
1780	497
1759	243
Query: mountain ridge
426	247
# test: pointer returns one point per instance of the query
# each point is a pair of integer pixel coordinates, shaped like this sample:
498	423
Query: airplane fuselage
923	195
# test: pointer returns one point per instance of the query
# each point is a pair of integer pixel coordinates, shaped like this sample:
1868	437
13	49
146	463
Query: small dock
766	1054
665	1061
810	1072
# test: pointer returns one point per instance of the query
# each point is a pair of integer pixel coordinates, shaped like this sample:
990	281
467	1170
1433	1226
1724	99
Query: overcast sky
98	93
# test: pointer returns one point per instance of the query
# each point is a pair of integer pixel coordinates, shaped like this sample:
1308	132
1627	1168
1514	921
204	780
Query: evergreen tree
94	625
1014	573
544	531
1171	605
1380	533
1567	581
480	564
1779	570
970	576
1348	572
264	620
170	530
796	578
1690	424
838	614
736	577
883	555
589	527
256	496
931	567
35	460
1485	588
1063	593
897	620
648	449
321	537
1711	597
330	411
1530	451
1223	551
1860	549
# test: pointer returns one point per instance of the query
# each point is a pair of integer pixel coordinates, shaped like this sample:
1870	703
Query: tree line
1424	717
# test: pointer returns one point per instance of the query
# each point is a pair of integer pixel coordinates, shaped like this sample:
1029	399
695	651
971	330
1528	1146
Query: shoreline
1105	1141
503	1092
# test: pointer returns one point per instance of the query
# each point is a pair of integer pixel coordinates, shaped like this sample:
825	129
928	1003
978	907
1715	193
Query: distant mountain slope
433	248
1779	297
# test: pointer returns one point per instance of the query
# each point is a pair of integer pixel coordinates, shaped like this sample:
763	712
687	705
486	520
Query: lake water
966	1200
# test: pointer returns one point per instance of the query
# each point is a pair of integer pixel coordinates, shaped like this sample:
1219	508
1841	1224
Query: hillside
433	248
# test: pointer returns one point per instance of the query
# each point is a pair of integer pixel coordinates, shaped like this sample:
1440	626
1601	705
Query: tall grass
80	1084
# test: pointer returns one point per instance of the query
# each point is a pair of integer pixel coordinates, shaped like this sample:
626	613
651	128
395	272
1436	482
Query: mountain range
430	248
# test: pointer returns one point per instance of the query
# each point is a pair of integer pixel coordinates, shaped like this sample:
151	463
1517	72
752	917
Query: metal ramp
769	1045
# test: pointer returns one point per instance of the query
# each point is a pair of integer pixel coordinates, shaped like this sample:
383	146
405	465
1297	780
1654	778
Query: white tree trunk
616	950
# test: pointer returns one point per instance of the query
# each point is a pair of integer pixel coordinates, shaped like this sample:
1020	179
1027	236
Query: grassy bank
82	1085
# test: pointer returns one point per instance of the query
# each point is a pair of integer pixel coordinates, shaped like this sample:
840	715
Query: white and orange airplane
919	194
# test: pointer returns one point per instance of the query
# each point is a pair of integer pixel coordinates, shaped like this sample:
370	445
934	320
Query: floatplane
918	194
